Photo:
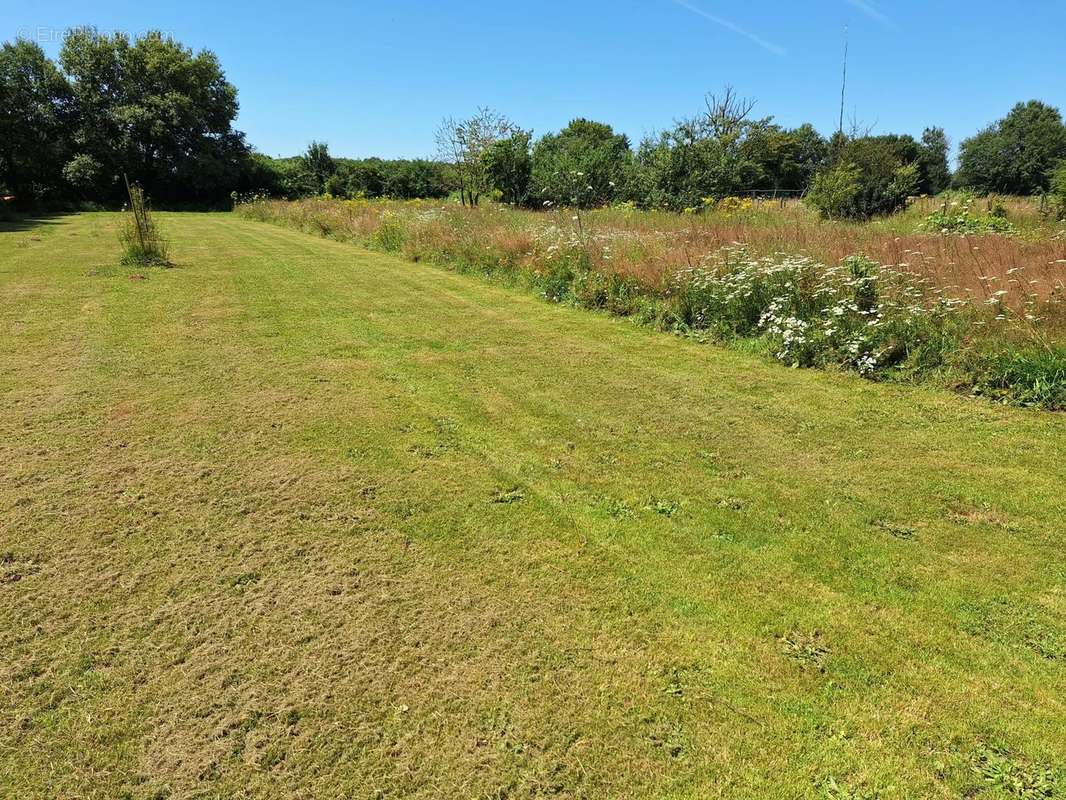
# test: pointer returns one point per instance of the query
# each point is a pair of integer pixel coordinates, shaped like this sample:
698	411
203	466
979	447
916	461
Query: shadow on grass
18	223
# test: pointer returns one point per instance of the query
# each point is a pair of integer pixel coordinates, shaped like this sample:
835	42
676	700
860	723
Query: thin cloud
874	13
732	26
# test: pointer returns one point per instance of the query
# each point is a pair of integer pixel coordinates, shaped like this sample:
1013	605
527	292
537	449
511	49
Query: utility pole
843	82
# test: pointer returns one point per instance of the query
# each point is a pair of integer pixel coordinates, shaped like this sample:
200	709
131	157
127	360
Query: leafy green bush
1058	190
83	173
583	165
835	191
509	164
554	278
956	215
871	175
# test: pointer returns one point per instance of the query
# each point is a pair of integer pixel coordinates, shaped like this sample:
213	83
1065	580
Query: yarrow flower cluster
858	314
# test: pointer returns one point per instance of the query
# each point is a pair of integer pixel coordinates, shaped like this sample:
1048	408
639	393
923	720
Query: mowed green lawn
293	519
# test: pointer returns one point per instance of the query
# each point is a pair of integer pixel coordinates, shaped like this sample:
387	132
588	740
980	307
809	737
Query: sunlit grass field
292	518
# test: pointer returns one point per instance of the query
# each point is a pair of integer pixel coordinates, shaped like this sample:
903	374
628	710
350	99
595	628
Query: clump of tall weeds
143	244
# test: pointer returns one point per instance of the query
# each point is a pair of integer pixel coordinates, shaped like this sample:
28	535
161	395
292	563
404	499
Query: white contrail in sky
732	26
870	10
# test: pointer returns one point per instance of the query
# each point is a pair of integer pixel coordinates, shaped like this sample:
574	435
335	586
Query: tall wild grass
980	313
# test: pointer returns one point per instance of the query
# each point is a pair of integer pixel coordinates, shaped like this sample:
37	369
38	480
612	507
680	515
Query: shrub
1058	190
554	279
956	215
583	165
142	242
83	173
510	166
871	175
718	152
834	192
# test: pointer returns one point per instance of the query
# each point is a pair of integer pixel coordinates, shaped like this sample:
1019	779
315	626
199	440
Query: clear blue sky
376	78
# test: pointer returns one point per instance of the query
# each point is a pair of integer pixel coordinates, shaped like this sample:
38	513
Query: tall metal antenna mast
843	81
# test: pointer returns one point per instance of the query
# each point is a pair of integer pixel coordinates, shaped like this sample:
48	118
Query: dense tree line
400	178
722	150
317	172
160	114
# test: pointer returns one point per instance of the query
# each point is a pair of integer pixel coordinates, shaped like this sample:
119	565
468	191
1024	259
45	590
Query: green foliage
871	175
1029	376
400	179
608	291
464	144
834	192
684	166
567	187
956	215
294	178
584	149
154	110
999	770
713	154
1057	190
34	121
509	164
934	173
143	244
1016	154
888	175
318	165
83	172
785	159
722	152
409	179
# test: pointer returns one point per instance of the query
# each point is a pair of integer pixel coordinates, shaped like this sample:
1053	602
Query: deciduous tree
1016	154
154	110
464	143
510	166
35	114
585	164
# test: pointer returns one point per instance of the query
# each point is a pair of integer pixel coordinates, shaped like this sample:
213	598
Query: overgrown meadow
962	292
